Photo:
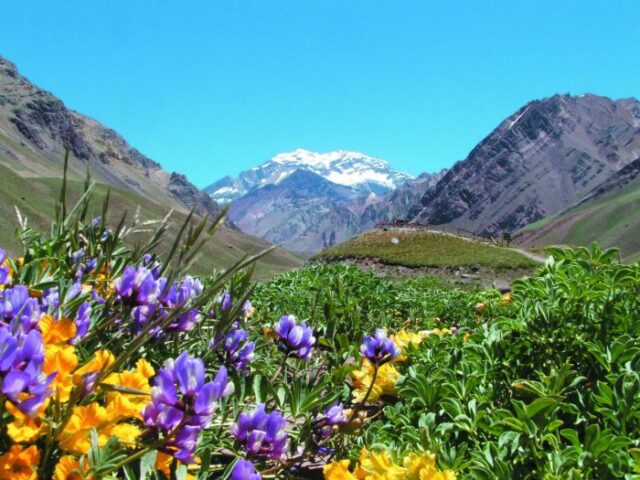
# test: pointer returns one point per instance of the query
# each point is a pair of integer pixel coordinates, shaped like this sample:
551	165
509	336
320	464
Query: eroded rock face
188	194
542	159
44	128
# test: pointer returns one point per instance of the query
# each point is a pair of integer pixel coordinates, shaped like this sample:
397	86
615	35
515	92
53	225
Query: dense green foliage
546	387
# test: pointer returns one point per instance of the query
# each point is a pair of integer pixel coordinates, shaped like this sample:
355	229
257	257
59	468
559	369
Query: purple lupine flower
91	265
178	296
295	338
262	434
137	285
244	470
8	345
237	351
82	321
182	404
225	301
16	305
5	271
247	309
76	257
379	349
150	262
24	382
329	422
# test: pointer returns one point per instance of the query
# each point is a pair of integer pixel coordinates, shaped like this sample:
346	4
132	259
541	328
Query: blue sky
209	88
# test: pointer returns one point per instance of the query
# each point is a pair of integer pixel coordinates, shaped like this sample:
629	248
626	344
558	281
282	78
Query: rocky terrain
303	213
542	159
36	128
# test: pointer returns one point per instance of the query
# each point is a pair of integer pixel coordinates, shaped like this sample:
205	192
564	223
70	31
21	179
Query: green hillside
427	249
35	198
613	220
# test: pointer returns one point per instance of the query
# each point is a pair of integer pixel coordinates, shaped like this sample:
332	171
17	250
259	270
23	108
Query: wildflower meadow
117	363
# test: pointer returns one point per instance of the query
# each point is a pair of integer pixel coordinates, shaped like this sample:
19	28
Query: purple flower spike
138	285
329	422
244	470
189	372
21	362
182	404
237	351
379	349
8	352
16	305
225	301
262	435
294	338
4	269
82	321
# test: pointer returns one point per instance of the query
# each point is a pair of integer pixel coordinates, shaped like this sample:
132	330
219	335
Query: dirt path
536	257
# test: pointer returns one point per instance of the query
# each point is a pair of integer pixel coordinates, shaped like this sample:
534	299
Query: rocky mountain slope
36	128
360	172
609	215
303	213
397	203
539	161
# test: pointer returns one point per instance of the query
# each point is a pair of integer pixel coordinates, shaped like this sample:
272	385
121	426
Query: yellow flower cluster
387	376
384	384
126	395
380	466
123	396
19	463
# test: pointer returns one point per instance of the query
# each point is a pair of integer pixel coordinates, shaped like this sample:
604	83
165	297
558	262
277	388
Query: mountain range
306	201
559	169
361	173
548	156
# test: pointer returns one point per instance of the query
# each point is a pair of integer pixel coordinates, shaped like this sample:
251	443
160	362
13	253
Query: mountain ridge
363	173
36	128
538	161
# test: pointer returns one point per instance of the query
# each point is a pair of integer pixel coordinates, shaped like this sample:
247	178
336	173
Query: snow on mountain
363	174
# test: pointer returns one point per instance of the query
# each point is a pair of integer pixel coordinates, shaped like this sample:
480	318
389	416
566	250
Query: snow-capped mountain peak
362	173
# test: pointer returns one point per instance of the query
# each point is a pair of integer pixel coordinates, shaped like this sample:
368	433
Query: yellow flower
61	360
145	369
270	333
338	470
378	466
124	432
467	336
55	332
100	361
68	468
75	437
20	463
403	339
163	464
384	384
423	467
123	401
24	428
506	299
